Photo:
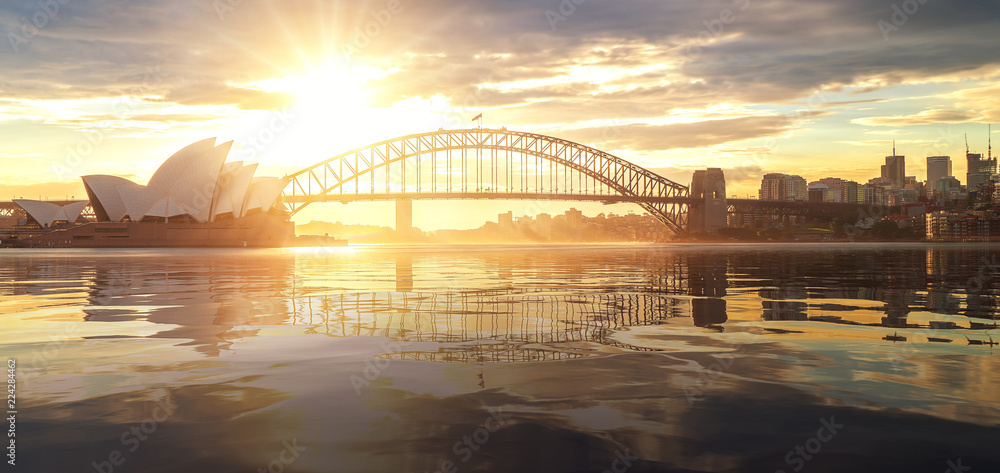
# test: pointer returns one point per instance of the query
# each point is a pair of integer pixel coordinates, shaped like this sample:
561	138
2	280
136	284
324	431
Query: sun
334	110
325	90
329	105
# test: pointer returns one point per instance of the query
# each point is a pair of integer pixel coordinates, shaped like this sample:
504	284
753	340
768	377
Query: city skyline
306	82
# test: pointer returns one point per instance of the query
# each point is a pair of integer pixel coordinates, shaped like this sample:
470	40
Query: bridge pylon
709	209
404	215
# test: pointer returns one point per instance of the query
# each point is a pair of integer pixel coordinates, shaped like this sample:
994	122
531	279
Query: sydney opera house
194	199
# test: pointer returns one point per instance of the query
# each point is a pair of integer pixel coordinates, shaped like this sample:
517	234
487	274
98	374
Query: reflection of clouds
528	303
211	298
492	310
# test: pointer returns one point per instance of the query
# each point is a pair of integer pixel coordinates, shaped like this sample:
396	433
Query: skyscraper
895	168
980	170
937	168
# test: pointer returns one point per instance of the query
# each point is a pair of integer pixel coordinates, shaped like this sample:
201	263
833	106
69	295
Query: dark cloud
682	135
682	54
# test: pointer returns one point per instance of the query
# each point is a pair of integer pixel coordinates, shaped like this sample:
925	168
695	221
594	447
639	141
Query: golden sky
817	88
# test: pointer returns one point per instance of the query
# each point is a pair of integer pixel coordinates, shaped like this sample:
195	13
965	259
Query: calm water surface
689	358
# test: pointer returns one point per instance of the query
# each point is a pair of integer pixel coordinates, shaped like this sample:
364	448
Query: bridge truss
484	163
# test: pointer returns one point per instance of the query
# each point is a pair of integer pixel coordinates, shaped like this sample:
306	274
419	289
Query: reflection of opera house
195	199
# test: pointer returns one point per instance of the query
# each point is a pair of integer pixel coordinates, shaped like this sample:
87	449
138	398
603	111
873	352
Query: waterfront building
778	186
506	220
841	190
944	225
819	192
202	199
574	218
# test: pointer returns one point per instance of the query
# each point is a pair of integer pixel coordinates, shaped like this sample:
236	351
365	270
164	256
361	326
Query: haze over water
506	358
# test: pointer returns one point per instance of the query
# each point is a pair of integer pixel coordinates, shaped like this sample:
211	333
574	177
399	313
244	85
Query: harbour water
707	358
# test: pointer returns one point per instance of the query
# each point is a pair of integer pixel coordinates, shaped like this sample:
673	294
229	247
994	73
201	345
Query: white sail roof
194	188
175	166
103	193
195	181
138	200
263	192
234	182
45	213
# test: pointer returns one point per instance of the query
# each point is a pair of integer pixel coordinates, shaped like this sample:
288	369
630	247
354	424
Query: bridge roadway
734	206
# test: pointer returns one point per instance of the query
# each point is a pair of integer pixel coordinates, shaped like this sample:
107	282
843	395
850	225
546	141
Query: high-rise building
778	186
543	225
980	170
948	187
895	168
574	218
506	220
937	167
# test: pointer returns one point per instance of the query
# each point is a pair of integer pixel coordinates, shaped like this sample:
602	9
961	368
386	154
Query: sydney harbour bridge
488	163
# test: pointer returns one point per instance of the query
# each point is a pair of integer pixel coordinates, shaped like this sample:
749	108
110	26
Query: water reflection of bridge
519	304
489	325
521	323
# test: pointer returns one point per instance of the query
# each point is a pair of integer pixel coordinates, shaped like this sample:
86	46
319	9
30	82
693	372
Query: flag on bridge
477	117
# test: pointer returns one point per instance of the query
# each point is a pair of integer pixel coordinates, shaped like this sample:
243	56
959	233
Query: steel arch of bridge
506	165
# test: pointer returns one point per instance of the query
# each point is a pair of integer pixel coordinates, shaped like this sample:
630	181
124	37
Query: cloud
986	100
143	117
642	137
775	51
923	118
